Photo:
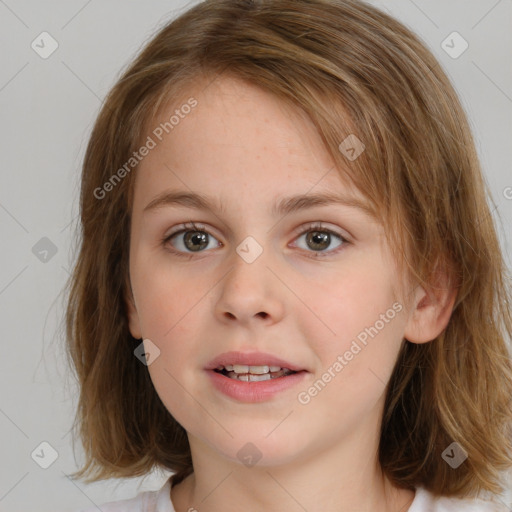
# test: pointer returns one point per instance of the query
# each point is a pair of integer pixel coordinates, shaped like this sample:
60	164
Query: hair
351	69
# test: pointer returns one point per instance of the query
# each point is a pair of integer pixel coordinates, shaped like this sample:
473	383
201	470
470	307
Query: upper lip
250	359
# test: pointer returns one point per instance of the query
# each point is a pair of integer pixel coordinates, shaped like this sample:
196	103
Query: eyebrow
284	206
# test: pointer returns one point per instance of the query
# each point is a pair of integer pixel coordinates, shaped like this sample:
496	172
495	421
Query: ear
431	310
132	314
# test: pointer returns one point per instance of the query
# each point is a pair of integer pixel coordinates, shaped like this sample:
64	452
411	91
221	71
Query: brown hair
353	70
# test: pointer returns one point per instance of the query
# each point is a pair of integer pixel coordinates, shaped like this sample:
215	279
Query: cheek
171	301
346	304
168	318
356	363
166	299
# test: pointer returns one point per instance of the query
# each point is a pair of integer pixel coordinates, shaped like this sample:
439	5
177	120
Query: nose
250	293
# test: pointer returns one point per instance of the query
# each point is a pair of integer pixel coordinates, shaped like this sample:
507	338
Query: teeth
257	378
244	368
258	370
249	377
254	373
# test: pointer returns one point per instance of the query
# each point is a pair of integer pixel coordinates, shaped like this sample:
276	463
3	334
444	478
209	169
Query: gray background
47	109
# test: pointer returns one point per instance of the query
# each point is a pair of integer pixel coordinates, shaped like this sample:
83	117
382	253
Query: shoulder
424	501
149	501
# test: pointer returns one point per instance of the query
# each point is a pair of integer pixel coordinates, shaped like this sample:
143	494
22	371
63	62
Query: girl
290	291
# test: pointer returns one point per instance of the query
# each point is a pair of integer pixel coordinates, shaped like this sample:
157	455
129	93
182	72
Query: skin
247	149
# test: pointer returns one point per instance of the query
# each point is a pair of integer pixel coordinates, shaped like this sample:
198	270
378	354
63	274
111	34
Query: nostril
263	314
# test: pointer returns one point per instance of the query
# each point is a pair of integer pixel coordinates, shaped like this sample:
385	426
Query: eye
192	238
195	238
318	238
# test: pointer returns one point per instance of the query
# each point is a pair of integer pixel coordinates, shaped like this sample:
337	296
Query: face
309	288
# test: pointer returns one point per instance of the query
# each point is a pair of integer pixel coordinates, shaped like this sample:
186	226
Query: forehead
237	140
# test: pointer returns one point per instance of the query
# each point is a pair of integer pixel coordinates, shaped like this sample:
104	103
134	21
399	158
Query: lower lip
254	391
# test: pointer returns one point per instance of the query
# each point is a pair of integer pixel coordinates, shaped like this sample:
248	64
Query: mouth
250	373
253	377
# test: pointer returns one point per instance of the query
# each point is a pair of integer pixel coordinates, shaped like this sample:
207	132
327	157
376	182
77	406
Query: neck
317	482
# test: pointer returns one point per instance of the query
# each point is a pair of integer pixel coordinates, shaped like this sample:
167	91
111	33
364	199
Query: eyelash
201	228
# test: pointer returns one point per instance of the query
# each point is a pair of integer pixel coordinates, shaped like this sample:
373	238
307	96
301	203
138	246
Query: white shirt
160	501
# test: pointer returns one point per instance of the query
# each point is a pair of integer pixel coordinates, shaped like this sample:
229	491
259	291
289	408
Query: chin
255	447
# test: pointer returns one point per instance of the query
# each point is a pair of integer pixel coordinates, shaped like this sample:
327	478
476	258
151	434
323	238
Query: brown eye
190	240
195	240
318	240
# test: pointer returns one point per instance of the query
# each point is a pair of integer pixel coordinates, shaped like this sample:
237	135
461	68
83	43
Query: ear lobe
431	311
132	314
